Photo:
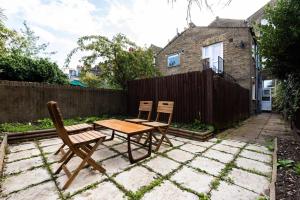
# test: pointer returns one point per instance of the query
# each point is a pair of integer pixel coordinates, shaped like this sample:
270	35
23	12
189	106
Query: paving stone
233	143
162	165
122	148
114	165
114	142
254	182
182	139
22	165
135	178
53	158
256	156
253	165
85	178
102	154
103	191
71	165
51	148
228	191
259	148
169	191
176	142
179	155
22	154
214	140
48	142
210	166
21	147
203	144
24	180
163	148
225	148
45	191
192	148
223	157
192	179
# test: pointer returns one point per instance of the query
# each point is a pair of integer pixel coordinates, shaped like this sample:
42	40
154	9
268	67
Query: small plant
285	164
297	168
270	145
262	198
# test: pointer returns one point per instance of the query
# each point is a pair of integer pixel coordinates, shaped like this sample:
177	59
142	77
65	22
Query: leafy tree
27	44
16	67
91	80
119	59
280	46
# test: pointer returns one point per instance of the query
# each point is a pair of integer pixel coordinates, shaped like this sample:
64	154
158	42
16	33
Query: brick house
228	46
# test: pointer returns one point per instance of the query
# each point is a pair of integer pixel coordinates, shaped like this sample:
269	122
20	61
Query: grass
47	123
195	126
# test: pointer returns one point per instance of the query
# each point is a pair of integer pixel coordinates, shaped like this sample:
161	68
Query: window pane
173	60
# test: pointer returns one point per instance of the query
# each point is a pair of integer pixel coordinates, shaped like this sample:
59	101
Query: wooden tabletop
123	127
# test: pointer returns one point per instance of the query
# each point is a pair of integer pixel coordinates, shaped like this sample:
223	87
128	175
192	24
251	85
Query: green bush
16	67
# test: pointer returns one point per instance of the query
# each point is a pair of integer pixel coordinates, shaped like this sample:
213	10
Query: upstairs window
173	60
214	53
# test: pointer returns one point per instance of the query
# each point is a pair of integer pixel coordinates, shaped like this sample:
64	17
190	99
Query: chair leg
164	136
57	152
86	159
68	158
65	156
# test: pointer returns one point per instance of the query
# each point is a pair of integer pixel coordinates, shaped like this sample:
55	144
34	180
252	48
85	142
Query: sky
61	22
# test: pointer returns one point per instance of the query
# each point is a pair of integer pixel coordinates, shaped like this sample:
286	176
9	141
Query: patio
215	169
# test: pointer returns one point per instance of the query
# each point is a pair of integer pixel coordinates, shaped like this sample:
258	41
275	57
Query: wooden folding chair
72	130
165	107
79	144
144	108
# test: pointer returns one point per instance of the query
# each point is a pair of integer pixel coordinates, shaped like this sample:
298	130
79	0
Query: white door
266	102
213	52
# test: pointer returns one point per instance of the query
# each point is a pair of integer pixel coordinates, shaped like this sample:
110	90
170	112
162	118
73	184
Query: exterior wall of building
238	61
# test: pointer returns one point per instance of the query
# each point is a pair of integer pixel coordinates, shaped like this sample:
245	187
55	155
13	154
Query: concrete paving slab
135	178
225	148
23	180
114	165
176	143
218	155
214	140
21	147
193	148
51	148
45	191
102	154
192	179
258	148
85	178
228	191
22	165
103	191
182	139
162	165
163	148
233	143
22	154
256	156
48	142
208	165
253	182
254	165
53	158
122	148
179	155
203	144
169	191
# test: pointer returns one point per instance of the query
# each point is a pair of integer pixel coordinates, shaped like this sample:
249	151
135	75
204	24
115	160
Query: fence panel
197	95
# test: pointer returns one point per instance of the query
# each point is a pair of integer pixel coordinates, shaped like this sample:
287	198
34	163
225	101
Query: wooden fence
197	95
24	101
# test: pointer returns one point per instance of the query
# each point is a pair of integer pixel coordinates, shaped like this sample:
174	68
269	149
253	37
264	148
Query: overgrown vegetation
195	126
119	60
280	46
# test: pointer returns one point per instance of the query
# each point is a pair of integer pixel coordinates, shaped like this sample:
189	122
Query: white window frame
210	50
173	55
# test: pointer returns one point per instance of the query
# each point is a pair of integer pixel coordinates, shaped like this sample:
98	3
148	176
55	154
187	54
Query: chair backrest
145	106
56	117
165	107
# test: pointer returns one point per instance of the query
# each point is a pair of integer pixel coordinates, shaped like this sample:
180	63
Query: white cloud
61	22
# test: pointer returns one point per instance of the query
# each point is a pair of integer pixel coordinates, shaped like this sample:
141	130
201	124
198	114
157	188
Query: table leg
131	159
112	136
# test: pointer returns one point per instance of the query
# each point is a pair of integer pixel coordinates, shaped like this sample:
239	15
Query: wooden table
130	129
